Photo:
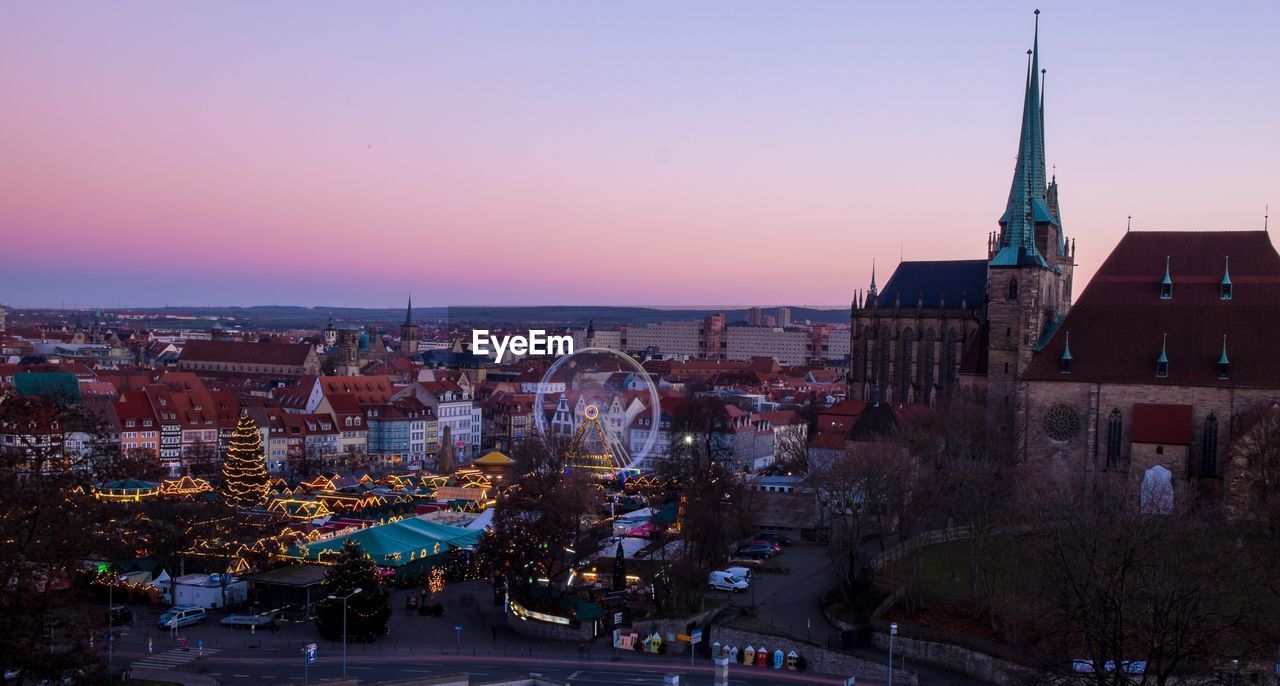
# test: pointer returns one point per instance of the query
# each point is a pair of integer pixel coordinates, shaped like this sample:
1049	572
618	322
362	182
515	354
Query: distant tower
1	320
409	332
217	332
330	334
348	352
1029	274
755	317
784	317
591	333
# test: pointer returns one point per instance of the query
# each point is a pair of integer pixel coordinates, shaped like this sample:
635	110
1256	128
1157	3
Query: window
1225	292
1013	289
1162	369
1166	291
1115	424
1209	453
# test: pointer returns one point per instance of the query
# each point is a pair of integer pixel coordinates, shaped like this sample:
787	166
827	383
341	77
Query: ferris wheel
593	416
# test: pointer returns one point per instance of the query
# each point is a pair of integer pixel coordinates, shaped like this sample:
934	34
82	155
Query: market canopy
398	543
494	459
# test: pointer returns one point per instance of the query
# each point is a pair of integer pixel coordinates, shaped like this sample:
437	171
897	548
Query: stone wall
960	659
1069	460
818	659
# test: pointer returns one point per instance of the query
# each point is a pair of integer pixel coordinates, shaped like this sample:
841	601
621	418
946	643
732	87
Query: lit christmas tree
367	611
244	470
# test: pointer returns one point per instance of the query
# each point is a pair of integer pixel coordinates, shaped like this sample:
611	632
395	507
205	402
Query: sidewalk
184	678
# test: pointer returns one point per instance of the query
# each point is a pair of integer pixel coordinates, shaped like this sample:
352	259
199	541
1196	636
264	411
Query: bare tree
49	523
1116	587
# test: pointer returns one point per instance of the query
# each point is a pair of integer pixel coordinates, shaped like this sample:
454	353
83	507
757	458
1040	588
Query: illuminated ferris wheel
599	394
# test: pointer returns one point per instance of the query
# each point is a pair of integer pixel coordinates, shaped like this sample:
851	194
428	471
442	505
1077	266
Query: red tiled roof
1117	326
234	352
1168	424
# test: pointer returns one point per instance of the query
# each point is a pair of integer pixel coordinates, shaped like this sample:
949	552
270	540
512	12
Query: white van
724	581
180	616
744	572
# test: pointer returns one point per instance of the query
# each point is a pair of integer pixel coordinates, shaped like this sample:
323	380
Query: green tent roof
129	485
58	386
399	543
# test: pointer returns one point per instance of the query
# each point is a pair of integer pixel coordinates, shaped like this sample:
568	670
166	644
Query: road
233	667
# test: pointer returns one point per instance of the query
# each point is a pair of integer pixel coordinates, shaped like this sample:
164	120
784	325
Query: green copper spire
1027	204
1222	359
1164	357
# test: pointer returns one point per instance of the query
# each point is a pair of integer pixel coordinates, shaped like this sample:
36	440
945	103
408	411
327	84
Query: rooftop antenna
1266	217
1129	225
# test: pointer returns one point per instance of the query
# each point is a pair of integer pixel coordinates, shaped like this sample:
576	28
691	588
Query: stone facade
1198	470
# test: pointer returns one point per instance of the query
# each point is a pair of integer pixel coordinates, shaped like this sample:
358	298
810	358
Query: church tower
1030	262
409	332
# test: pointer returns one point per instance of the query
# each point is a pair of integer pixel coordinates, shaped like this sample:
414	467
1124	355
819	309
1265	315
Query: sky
554	152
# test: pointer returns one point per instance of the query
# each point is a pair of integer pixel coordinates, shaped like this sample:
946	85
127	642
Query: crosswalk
174	657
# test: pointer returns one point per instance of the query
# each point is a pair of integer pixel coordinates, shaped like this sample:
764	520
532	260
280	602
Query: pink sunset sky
597	152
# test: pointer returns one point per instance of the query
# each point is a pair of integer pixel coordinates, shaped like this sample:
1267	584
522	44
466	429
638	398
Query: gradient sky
597	152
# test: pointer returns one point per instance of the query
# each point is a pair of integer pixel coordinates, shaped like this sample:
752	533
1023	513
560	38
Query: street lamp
111	588
893	631
344	627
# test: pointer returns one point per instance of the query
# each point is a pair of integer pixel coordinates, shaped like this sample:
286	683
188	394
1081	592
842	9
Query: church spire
408	312
1026	205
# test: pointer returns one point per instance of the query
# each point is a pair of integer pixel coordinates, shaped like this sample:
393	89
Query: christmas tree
244	469
367	611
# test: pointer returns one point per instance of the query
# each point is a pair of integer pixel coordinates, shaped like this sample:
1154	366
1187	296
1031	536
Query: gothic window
1061	423
928	358
905	359
1225	293
1162	369
1209	454
885	345
1114	426
1013	289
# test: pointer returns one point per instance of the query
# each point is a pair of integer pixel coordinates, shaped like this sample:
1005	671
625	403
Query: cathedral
941	324
1159	376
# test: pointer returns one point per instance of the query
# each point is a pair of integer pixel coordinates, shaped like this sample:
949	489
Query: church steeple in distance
1027	204
408	312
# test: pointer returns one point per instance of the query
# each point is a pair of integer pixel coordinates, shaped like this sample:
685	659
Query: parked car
774	538
777	549
180	616
743	572
724	581
119	615
752	565
756	552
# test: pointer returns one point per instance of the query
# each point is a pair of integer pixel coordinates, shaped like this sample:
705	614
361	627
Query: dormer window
1166	284
1224	364
1065	363
1162	362
1224	287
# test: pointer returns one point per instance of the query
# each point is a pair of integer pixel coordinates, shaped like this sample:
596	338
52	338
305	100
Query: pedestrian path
174	657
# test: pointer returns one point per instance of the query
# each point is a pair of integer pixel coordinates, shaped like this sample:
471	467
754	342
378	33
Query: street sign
457	627
684	637
696	636
617	618
312	652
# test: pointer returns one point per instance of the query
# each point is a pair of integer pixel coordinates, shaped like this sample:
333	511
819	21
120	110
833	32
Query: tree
1110	583
863	492
367	612
619	569
245	482
49	524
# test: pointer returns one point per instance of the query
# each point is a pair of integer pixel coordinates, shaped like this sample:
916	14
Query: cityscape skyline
716	134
